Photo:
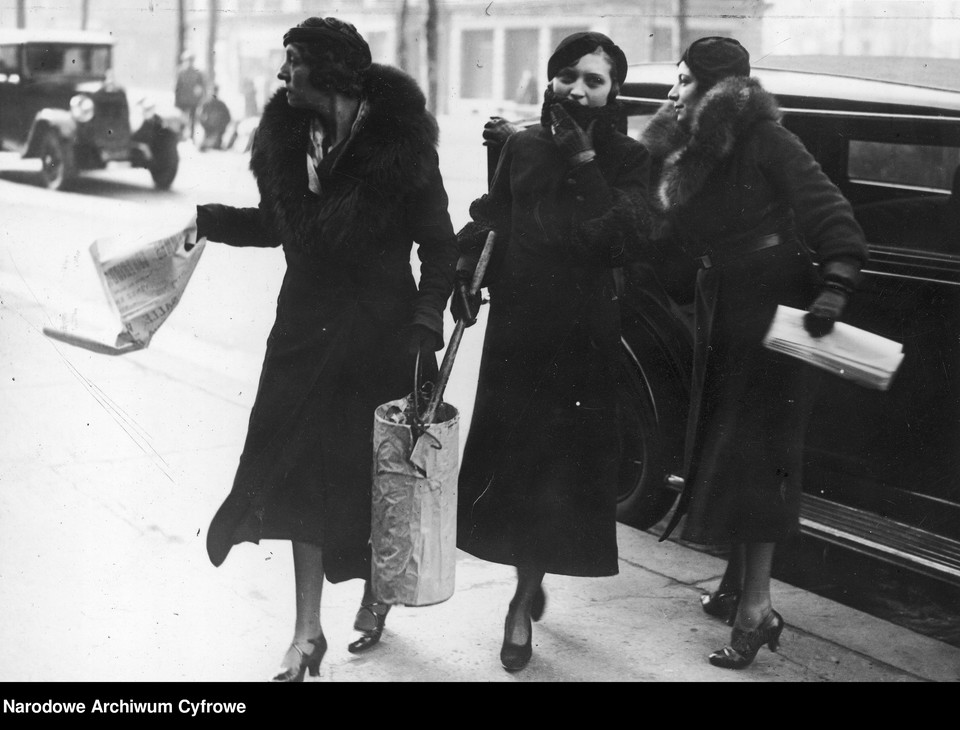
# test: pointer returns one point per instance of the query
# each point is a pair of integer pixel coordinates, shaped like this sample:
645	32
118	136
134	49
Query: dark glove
574	143
419	338
496	131
464	306
826	309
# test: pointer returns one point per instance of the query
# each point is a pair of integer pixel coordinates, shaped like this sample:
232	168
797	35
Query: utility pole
402	35
84	14
432	56
679	27
21	13
181	32
212	42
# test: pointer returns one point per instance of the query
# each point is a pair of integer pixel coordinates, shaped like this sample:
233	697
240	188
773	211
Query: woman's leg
732	581
308	578
755	603
518	629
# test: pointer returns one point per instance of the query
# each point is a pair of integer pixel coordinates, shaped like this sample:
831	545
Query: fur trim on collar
725	114
380	163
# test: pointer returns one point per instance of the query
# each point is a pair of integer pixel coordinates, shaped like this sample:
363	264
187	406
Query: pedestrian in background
346	164
740	197
538	482
190	90
214	118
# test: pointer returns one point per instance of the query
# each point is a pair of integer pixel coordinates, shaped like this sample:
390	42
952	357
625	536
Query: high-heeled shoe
515	657
721	605
308	662
368	637
744	645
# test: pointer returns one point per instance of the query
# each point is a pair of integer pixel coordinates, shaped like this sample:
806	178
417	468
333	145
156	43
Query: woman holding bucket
346	164
538	482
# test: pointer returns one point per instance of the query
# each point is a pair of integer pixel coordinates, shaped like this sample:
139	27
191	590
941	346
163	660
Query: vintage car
59	104
882	467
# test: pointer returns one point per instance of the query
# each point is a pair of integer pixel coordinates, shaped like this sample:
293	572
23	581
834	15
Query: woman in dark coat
538	480
742	197
346	164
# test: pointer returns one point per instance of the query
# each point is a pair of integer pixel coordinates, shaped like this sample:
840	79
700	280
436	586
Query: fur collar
364	188
726	113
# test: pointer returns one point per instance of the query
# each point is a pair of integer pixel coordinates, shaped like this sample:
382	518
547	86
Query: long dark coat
335	351
736	178
538	481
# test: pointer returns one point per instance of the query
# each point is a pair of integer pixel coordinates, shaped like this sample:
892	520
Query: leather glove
826	309
496	131
574	143
419	338
463	306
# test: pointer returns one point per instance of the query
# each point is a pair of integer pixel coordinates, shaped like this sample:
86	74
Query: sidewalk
111	467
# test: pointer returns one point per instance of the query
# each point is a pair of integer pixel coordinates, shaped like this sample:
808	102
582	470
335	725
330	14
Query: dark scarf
606	117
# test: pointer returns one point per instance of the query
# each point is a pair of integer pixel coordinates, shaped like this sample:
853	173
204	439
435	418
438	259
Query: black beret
574	46
715	57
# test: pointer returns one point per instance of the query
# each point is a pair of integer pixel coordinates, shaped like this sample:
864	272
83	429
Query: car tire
651	441
58	165
166	159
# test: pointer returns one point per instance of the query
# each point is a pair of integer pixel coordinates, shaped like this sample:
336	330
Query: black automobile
59	104
882	467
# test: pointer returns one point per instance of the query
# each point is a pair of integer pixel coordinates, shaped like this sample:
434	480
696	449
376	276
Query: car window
8	59
67	59
925	167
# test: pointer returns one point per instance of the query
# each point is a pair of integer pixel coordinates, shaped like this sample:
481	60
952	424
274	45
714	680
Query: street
111	468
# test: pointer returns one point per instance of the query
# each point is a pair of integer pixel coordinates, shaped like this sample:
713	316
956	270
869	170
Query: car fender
58	119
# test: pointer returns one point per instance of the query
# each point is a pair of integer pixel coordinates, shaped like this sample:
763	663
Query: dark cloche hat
571	48
715	57
330	31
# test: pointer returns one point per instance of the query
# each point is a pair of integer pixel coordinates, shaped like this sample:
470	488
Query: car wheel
58	166
651	441
166	159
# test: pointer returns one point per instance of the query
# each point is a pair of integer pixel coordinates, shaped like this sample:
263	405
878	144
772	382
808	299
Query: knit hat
574	46
332	32
715	57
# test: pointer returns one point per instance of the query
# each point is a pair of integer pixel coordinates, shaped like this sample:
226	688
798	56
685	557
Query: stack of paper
851	353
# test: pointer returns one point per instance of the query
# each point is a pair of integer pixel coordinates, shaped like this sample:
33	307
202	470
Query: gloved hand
826	309
463	306
419	338
205	221
575	143
496	131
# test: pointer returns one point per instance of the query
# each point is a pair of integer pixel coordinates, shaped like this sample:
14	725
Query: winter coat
538	480
741	197
336	350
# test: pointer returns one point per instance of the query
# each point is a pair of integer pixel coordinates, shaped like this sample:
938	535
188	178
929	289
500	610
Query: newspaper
143	279
854	354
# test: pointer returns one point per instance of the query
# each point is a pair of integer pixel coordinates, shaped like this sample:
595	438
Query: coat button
571	181
580	198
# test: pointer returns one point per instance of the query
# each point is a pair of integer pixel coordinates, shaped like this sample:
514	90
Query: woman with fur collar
538	481
346	165
740	196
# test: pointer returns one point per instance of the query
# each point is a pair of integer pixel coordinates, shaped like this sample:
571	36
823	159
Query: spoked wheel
56	157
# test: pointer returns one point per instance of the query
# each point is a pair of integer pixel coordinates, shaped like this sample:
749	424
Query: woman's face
685	95
295	74
587	82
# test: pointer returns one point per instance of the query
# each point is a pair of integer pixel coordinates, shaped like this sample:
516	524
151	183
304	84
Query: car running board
877	537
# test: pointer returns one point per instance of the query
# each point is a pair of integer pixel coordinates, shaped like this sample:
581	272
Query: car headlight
81	108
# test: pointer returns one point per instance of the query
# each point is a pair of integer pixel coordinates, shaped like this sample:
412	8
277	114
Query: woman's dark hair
714	58
334	51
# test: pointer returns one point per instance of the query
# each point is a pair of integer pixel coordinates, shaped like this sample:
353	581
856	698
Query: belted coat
742	201
538	480
336	351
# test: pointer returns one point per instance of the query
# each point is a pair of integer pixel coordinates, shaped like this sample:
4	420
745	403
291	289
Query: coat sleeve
489	212
432	230
823	216
240	226
610	217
